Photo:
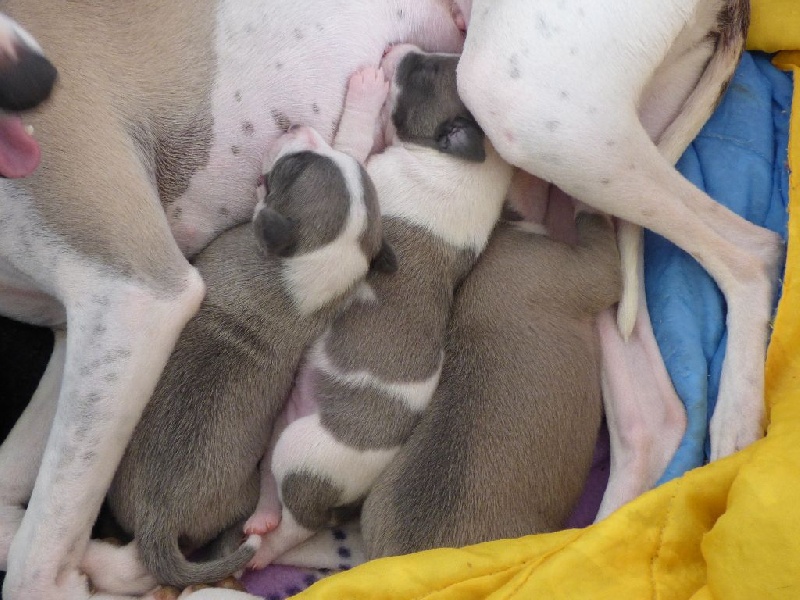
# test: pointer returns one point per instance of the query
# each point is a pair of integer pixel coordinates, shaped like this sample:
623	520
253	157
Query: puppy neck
456	200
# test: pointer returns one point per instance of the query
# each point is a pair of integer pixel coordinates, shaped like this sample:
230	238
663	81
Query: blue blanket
740	159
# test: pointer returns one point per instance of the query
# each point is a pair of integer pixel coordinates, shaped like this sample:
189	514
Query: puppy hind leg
287	535
21	452
267	515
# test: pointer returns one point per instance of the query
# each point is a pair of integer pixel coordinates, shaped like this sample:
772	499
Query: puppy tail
164	559
629	240
696	110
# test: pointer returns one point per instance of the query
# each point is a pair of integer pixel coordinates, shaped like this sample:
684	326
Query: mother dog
165	109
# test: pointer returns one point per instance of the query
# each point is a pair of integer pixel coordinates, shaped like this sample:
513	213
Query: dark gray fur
428	110
191	469
505	446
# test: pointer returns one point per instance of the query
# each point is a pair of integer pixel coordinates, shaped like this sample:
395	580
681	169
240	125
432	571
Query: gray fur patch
427	98
309	497
363	417
372	237
733	22
309	190
412	309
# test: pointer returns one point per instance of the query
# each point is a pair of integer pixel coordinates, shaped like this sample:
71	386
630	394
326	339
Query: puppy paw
262	523
367	90
262	558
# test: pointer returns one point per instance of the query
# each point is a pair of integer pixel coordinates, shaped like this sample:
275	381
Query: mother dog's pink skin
151	145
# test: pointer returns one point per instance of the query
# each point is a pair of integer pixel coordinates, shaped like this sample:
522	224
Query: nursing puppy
191	469
505	447
441	188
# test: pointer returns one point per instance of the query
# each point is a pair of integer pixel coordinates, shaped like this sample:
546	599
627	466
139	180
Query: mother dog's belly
281	63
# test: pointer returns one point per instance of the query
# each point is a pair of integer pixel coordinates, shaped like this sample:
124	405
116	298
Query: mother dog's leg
21	452
88	229
578	127
645	416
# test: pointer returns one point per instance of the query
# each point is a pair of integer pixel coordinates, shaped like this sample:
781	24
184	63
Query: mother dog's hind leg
106	253
581	131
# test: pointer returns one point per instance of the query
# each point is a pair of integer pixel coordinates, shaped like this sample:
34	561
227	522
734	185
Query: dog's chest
277	64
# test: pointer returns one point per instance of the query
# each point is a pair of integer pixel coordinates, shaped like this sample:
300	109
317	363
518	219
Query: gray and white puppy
191	469
506	444
367	380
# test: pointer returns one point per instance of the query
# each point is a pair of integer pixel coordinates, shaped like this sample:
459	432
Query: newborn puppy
191	469
506	445
366	381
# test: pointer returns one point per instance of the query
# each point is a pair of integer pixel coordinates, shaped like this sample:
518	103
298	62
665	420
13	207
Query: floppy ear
385	260
276	234
463	138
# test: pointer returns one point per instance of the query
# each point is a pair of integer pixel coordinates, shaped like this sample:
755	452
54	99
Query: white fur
351	470
462	201
414	395
531	227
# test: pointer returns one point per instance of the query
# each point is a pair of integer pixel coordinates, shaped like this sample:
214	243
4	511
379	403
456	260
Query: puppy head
318	209
425	106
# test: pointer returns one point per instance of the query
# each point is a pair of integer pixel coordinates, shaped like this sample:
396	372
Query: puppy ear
463	138
385	260
276	234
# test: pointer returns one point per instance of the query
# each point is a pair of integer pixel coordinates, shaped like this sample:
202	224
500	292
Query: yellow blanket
728	530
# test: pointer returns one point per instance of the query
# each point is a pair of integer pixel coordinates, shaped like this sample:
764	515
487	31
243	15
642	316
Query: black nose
25	81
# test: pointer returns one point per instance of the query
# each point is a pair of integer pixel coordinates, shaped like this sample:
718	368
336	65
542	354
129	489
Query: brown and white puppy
191	469
367	380
505	447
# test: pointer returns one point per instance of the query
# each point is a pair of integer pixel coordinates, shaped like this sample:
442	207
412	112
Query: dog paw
729	435
367	90
261	523
262	558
